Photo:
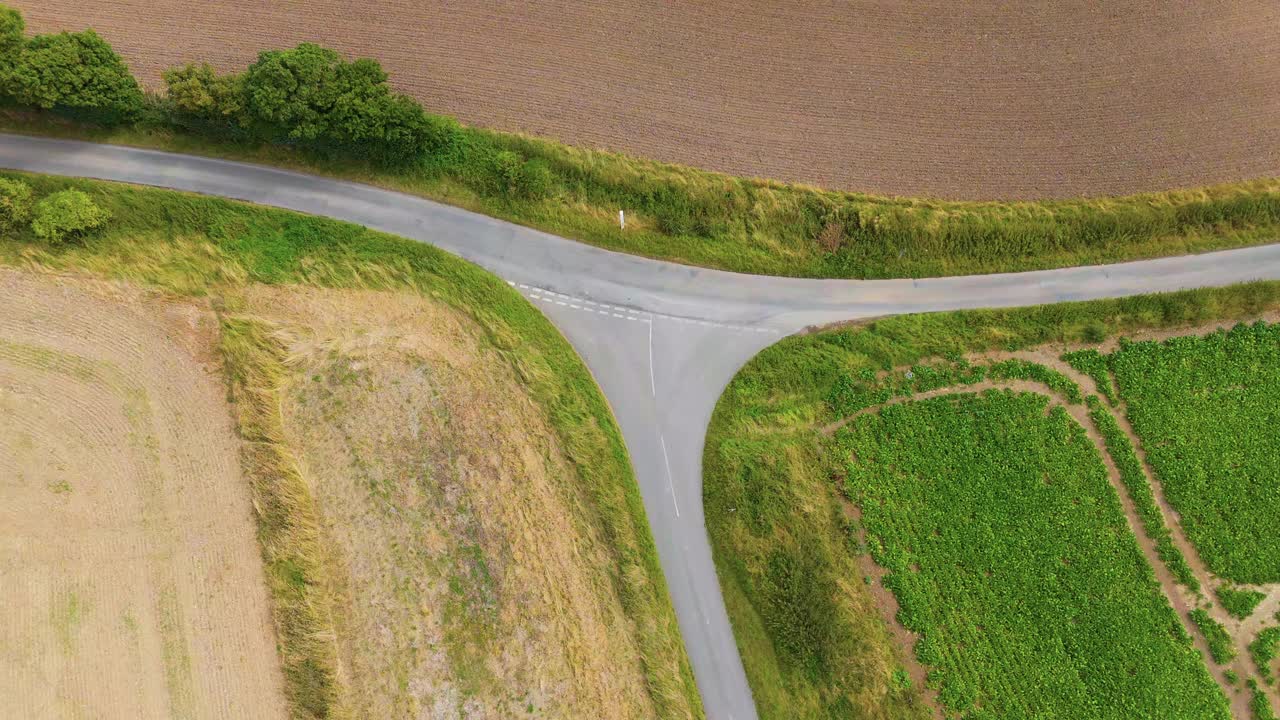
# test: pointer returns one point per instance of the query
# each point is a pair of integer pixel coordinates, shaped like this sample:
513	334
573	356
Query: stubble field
972	100
132	586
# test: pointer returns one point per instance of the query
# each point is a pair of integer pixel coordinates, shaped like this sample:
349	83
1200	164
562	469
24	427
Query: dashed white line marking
619	311
667	462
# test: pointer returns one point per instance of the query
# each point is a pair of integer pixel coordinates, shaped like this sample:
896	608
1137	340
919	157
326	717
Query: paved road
662	339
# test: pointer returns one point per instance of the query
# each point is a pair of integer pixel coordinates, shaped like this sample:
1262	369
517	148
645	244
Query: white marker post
622	220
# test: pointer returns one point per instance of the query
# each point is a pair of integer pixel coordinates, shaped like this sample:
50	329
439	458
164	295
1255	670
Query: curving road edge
663	340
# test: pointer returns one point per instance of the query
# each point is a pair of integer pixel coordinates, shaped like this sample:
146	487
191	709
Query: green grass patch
756	226
1206	410
1239	602
197	245
1009	553
770	481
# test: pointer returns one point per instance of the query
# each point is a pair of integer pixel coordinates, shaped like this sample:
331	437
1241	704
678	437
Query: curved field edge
763	443
706	219
201	246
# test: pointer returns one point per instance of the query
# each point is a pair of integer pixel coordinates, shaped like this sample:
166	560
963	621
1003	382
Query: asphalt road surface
663	340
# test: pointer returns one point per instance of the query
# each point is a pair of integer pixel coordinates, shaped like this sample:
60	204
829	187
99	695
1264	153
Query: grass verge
293	554
757	226
770	484
204	246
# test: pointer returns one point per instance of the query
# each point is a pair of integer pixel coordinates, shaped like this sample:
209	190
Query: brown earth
474	577
132	586
933	97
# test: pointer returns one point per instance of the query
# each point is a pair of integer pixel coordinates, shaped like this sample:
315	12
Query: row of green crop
853	392
1206	409
306	106
1008	552
1135	481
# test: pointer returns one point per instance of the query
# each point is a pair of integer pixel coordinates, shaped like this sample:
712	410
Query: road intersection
662	340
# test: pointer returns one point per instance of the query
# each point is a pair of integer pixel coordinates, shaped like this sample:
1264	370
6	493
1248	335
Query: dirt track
130	572
983	99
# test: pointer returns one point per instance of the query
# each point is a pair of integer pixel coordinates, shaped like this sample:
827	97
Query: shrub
67	214
202	99
15	204
77	75
310	96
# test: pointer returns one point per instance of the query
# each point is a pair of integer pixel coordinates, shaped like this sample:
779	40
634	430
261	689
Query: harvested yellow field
130	574
471	577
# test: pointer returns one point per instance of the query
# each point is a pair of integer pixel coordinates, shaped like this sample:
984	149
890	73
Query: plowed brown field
130	581
930	97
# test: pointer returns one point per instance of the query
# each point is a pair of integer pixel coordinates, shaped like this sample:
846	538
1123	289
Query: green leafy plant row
1135	481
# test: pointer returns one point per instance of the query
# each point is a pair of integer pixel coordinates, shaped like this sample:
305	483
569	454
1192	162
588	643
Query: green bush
77	75
67	214
201	99
311	97
15	204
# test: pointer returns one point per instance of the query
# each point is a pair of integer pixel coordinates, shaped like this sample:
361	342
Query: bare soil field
959	100
472	574
132	585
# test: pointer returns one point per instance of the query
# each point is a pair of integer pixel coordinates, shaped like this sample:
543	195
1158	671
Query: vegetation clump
66	215
1239	602
1221	649
1263	650
15	205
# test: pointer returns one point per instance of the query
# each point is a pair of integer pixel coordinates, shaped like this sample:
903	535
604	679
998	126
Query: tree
67	214
15	204
310	96
78	75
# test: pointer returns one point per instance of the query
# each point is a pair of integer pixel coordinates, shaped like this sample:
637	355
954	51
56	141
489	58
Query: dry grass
473	579
126	536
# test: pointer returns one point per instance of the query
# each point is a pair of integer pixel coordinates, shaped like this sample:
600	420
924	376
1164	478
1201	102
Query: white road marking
628	313
667	462
653	384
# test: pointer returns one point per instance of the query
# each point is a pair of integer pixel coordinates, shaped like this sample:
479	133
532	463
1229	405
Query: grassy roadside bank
203	246
770	481
762	227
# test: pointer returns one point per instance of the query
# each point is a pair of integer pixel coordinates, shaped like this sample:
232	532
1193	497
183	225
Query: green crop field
1008	552
792	563
1206	410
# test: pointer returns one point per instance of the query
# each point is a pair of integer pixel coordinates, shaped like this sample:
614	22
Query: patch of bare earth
130	580
981	99
475	581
